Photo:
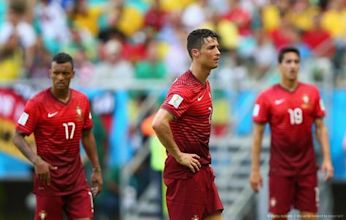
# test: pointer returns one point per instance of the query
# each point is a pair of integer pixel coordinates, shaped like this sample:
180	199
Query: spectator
16	25
318	39
85	17
11	60
239	16
153	67
114	68
155	16
52	23
41	61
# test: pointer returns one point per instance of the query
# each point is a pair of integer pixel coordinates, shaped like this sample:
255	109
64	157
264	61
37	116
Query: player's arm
164	133
24	147
42	168
322	137
89	144
255	175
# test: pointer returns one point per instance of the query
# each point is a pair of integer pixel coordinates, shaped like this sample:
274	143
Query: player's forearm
89	145
255	155
322	137
256	148
24	147
164	133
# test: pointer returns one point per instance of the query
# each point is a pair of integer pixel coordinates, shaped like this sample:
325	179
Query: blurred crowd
118	41
121	40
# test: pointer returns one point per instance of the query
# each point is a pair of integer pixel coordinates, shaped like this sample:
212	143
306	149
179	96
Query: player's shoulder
78	94
185	84
40	97
309	86
268	91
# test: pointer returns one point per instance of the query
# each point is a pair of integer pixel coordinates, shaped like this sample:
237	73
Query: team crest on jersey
306	100
42	214
79	112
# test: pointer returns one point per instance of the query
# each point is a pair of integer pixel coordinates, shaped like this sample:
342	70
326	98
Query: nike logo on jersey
52	114
279	101
200	98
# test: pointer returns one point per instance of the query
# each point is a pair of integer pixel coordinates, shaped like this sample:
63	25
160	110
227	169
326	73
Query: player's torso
292	110
291	118
60	125
200	112
195	123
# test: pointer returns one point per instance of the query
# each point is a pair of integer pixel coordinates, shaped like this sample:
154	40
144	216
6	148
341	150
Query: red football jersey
290	116
190	102
57	128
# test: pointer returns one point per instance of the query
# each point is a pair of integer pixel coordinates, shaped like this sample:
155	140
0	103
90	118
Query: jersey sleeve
27	121
178	100
88	122
260	112
319	108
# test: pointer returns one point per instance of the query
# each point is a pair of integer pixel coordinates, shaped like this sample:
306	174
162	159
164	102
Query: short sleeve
178	101
27	121
88	122
319	108
261	109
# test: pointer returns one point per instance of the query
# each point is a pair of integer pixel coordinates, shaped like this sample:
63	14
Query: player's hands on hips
190	160
42	170
255	180
327	169
96	182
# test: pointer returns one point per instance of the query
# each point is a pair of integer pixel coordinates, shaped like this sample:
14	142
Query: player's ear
195	52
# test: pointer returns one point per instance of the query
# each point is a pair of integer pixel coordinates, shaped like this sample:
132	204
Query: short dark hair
196	38
285	50
18	7
63	58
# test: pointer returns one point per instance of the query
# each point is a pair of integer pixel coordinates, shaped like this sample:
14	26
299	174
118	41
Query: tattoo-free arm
42	168
25	148
323	139
164	133
89	144
255	176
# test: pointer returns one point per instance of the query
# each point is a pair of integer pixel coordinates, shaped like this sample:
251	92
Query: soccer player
291	108
60	117
183	125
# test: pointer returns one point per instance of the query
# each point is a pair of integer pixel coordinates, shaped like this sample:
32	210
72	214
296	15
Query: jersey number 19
296	116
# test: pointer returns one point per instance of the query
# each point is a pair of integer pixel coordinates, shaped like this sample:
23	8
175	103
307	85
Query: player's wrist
37	160
97	169
255	170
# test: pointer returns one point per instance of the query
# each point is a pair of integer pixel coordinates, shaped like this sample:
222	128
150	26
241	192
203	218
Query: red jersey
190	102
290	116
57	128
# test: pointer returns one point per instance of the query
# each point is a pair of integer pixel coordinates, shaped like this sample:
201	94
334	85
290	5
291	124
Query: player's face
290	66
61	75
209	54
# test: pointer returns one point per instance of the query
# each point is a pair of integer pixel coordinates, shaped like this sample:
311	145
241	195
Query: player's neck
199	72
289	85
61	95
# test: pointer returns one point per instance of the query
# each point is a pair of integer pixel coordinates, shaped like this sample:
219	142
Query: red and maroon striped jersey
57	128
290	116
189	101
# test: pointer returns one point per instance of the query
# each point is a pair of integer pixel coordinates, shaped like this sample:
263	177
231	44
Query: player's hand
256	180
96	182
190	160
42	170
327	170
